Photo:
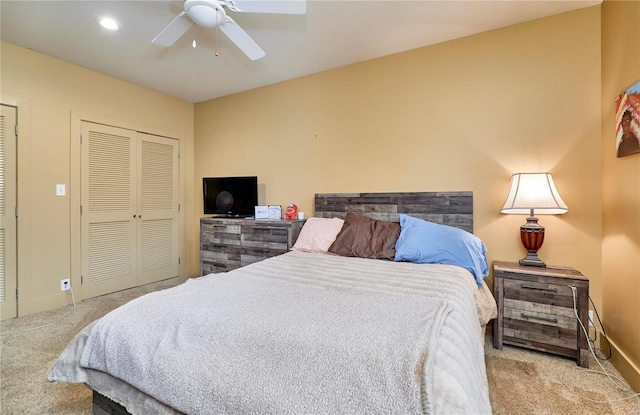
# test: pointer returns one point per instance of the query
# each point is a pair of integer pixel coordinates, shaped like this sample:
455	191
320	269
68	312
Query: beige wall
461	115
52	96
621	192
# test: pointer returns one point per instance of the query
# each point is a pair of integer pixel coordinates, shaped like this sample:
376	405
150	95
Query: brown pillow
364	237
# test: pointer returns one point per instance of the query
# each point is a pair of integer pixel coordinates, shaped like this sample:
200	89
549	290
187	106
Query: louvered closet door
157	208
108	225
8	242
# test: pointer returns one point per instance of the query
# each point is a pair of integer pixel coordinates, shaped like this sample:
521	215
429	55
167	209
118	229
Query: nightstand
536	309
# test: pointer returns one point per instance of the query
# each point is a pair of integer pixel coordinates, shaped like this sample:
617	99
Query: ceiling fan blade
241	39
174	30
269	6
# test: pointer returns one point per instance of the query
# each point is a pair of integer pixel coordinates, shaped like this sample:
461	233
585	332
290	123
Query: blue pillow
426	242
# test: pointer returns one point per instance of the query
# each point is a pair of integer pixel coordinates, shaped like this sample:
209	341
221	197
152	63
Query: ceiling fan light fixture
211	13
205	13
108	23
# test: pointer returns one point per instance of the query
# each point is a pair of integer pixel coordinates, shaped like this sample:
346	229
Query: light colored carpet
26	357
521	381
528	382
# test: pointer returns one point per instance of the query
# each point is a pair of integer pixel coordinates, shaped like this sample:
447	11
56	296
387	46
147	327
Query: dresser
227	243
536	309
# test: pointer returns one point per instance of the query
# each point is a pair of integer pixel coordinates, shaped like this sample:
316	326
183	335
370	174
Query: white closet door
109	216
8	242
158	208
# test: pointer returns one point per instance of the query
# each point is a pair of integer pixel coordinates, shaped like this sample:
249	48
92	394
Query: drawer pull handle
533	287
550	320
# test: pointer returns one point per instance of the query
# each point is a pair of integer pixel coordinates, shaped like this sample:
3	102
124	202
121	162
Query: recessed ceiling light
108	23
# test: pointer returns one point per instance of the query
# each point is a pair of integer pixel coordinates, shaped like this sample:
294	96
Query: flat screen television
234	197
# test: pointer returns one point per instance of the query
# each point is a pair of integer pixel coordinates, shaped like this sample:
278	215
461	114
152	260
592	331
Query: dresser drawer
265	236
219	258
222	234
249	255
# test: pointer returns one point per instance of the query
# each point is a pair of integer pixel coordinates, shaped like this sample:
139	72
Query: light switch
60	190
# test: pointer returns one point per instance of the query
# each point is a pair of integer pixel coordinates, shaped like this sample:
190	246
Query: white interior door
129	225
8	241
157	203
109	218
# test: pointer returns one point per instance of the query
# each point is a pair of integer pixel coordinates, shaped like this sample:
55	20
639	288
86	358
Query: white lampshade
533	191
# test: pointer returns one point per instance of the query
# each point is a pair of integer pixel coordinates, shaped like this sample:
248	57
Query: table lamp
532	193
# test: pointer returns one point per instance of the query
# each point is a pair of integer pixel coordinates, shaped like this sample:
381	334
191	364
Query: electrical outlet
591	318
65	284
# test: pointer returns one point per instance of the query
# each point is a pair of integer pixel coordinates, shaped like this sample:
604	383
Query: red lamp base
532	236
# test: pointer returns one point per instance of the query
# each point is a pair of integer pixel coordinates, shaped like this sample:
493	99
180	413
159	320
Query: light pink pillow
318	234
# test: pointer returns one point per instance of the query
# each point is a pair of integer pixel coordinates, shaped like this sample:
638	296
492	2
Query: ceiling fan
211	13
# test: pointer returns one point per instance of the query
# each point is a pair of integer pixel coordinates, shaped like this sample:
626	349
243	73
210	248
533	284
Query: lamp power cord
617	382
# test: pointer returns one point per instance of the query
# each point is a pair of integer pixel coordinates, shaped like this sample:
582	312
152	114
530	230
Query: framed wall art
628	121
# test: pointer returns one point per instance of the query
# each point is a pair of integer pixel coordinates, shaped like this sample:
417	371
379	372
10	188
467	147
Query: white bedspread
300	333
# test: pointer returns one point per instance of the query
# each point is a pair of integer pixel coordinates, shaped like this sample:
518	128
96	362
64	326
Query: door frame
76	119
9	307
23	189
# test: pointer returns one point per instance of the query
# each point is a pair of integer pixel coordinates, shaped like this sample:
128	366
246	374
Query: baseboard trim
629	371
49	303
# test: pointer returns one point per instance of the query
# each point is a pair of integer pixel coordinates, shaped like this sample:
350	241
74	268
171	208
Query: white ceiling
331	34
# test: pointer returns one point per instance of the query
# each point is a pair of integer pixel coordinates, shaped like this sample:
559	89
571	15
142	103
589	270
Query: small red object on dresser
291	212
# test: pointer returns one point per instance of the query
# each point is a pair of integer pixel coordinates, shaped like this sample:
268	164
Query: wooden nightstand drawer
524	325
538	292
540	337
539	313
537	309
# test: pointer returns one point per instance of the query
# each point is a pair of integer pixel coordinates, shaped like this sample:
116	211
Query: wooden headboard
448	208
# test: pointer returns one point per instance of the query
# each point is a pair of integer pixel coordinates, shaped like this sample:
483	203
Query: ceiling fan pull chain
216	47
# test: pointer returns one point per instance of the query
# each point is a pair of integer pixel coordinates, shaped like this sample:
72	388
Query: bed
347	322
